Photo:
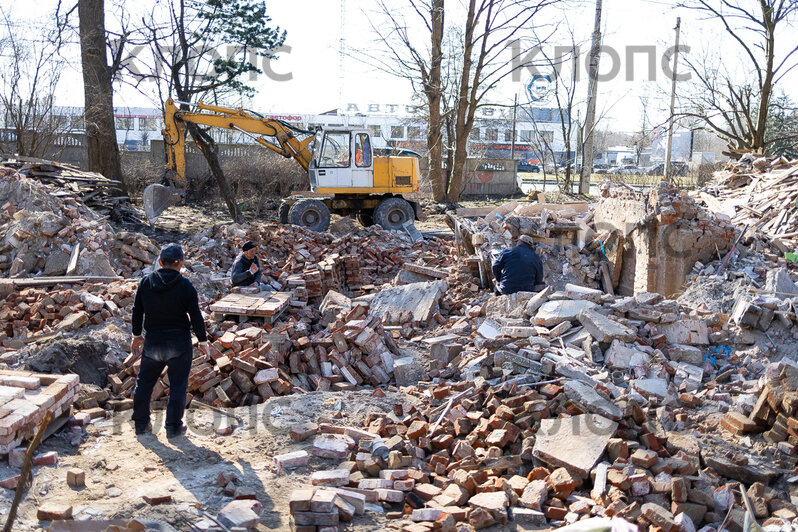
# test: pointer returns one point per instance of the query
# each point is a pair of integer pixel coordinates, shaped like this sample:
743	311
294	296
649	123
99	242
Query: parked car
600	168
677	169
575	169
526	166
627	169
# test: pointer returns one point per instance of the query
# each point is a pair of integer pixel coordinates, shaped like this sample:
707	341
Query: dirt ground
122	467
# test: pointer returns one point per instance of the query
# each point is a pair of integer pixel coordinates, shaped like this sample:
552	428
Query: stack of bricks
483	460
321	510
354	279
31	312
26	397
248	364
775	413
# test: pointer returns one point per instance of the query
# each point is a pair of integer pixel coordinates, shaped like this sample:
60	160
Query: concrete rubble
638	386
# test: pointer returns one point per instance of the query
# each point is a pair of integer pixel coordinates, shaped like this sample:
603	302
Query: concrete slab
553	313
690	332
604	329
620	356
584	394
575	443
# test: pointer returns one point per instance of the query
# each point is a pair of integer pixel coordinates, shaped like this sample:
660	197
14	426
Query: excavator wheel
283	212
366	218
310	213
392	213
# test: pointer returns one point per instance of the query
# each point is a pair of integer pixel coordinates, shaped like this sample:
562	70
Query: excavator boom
275	135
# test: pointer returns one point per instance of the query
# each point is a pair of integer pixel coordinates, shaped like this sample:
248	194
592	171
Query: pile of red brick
31	313
486	455
775	413
250	364
366	257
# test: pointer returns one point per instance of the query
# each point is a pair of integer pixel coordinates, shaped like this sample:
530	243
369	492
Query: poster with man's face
539	88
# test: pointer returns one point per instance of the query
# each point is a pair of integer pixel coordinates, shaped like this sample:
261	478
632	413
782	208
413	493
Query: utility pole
590	118
515	109
668	152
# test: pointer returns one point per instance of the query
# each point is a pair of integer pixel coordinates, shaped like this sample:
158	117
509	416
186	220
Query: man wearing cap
246	268
518	269
167	308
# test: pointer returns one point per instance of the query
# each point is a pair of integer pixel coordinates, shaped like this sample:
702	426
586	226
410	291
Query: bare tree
641	139
481	63
738	111
29	77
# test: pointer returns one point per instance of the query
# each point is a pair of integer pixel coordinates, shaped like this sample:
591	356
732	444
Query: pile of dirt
83	355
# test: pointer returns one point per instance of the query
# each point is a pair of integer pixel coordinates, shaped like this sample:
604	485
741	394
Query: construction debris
655	389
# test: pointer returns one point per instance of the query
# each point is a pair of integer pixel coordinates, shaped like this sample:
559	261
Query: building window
546	136
526	135
474	133
508	135
124	123
150	124
492	134
397	132
413	132
376	131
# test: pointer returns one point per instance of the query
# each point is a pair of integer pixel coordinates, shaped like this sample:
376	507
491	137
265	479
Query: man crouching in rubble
518	269
246	268
167	307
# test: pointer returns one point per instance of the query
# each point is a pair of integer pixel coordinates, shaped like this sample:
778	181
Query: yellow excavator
342	169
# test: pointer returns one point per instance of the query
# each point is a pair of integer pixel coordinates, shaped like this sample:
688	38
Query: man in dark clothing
167	308
518	269
246	268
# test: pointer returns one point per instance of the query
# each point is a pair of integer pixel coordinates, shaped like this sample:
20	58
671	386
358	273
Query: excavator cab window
335	152
362	150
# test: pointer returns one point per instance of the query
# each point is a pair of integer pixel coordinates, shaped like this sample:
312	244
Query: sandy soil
121	467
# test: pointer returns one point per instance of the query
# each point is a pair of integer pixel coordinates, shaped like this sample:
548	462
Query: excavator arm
275	135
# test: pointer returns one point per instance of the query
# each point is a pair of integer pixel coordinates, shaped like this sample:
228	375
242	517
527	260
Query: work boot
143	429
174	432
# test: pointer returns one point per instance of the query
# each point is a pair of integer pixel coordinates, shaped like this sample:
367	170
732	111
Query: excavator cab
342	161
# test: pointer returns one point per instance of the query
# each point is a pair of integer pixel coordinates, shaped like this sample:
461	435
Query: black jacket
518	269
167	301
241	275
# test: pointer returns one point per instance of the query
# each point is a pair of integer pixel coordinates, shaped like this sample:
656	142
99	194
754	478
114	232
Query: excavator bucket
158	198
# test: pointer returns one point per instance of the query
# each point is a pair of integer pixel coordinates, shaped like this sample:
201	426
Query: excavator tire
391	213
283	212
310	213
366	218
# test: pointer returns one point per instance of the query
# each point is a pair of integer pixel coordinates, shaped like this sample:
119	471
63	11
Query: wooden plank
474	212
73	260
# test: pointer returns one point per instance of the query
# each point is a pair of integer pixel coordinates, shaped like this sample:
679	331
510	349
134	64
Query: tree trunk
103	151
433	90
461	130
767	88
208	149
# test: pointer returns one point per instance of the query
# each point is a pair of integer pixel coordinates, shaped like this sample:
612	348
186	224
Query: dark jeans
170	349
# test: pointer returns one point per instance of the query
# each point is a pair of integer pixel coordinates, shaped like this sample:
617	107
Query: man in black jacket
518	269
246	268
167	307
